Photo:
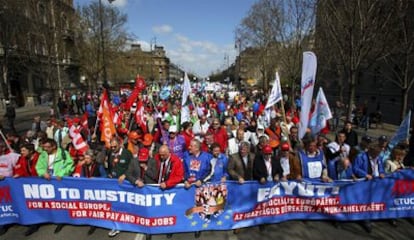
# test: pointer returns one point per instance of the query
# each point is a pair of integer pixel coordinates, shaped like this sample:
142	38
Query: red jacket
187	137
175	170
220	137
24	168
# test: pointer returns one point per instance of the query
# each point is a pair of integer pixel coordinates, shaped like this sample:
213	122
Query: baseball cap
383	138
76	120
172	128
147	139
267	149
285	147
133	135
366	138
143	155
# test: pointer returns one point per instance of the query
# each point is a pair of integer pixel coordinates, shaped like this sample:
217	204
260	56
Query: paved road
285	230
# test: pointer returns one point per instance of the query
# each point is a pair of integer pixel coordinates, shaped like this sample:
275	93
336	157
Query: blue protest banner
214	206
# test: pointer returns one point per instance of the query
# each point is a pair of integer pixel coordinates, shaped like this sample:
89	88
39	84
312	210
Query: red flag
140	116
106	120
139	86
84	120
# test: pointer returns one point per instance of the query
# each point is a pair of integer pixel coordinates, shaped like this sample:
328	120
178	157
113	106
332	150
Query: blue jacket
362	165
197	167
219	170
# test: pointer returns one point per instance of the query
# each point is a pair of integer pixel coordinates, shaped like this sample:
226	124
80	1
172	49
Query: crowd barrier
214	206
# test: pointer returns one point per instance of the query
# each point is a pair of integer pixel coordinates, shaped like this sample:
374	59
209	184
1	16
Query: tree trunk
351	95
404	103
5	82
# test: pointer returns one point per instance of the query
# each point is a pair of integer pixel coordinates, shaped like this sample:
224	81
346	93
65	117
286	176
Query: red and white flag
77	140
140	118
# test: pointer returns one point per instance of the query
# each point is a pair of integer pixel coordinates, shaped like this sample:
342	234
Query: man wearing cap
175	141
289	163
385	148
265	166
133	143
266	169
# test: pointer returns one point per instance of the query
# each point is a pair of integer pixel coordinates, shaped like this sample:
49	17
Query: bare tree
259	31
90	35
354	33
281	31
397	66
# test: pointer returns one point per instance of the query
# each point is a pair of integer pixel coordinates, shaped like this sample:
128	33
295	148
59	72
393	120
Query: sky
198	35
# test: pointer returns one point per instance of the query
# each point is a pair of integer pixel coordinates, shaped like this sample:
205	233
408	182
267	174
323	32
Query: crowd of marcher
224	139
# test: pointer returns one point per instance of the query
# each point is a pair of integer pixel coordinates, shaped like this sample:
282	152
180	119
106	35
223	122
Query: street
285	230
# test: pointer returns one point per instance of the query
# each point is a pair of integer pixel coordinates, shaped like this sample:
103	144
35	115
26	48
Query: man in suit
265	166
240	166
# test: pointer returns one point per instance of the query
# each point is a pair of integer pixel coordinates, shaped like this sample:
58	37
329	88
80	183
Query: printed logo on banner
6	209
210	200
307	84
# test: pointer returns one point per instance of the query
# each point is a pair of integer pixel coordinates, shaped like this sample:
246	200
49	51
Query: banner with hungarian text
215	206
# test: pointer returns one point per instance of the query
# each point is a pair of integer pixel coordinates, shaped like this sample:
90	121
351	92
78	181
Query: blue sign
214	206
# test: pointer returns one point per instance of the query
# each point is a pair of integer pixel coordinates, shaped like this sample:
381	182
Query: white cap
7	102
172	128
260	126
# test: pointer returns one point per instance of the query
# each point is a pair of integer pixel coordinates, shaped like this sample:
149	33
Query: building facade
37	50
153	65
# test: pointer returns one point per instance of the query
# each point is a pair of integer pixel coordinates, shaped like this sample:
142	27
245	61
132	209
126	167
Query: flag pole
5	141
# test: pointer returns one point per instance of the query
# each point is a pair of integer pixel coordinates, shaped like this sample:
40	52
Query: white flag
321	114
276	93
186	90
307	85
185	111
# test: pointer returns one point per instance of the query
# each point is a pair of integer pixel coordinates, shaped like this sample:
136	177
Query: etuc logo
5	196
403	187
